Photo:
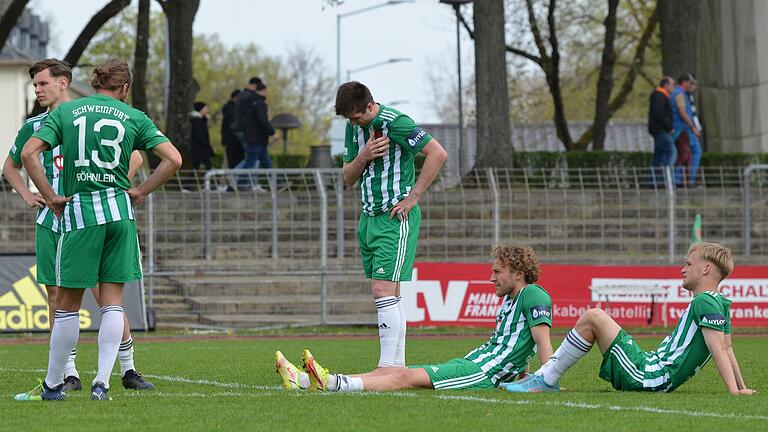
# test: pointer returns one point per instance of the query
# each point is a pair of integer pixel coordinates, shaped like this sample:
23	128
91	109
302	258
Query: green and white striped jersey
96	136
51	161
683	353
386	180
511	347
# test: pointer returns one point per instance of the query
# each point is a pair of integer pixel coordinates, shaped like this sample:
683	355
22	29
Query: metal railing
299	226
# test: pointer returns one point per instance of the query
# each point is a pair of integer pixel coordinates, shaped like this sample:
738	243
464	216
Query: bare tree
141	53
96	22
89	31
605	79
493	128
181	94
11	14
310	89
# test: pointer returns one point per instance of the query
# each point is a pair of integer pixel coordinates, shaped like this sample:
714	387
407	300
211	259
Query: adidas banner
24	302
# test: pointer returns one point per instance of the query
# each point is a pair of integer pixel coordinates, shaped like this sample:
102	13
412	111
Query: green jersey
511	347
97	135
684	352
386	180
51	161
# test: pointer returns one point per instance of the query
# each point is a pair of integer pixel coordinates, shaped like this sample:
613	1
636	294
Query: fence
296	231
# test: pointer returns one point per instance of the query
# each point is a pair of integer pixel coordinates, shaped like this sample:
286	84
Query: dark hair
235	93
259	83
199	105
111	75
56	68
664	81
687	77
351	98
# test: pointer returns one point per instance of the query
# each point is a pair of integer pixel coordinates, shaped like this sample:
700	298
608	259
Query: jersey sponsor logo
58	162
712	318
36	126
24	305
416	136
541	311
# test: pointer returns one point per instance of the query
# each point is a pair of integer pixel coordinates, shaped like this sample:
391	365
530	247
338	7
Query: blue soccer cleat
535	384
53	394
99	392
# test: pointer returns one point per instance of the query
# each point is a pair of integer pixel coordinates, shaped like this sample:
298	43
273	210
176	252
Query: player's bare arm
374	148
30	157
11	171
435	158
734	363
715	341
170	162
540	334
137	160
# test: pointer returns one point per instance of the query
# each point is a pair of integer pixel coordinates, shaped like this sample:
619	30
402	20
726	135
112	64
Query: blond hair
518	258
719	255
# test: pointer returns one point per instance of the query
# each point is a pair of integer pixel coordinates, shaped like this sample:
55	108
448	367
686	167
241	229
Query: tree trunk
628	82
11	14
139	87
605	79
181	94
680	36
89	31
494	143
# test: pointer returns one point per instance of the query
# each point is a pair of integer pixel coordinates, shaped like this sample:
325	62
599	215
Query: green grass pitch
230	384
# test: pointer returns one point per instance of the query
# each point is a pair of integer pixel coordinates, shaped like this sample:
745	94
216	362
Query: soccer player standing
51	79
522	329
704	331
380	145
98	244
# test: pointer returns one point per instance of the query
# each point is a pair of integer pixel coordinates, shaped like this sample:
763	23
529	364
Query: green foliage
289	160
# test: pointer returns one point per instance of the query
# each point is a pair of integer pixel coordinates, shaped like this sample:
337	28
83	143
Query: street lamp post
338	30
375	65
456	7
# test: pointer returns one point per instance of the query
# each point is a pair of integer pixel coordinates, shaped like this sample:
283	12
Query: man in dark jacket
660	127
233	146
201	141
253	125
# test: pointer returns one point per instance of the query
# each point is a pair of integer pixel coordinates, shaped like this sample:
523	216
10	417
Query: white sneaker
258	189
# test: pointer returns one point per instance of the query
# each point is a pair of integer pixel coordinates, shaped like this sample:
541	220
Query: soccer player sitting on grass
522	327
704	331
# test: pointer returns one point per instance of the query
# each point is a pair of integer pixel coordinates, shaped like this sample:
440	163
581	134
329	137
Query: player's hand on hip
35	201
57	204
137	198
402	208
375	148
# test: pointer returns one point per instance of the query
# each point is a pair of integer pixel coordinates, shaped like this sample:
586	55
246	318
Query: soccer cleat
289	373
318	375
53	394
132	380
99	392
32	395
536	384
72	383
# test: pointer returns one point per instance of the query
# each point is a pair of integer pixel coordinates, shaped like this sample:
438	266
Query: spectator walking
660	127
683	113
253	127
201	141
232	146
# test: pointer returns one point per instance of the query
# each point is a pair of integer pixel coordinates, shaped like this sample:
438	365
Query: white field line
568	404
584	405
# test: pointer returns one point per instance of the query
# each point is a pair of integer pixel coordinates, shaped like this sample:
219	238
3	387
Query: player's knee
383	289
593	316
